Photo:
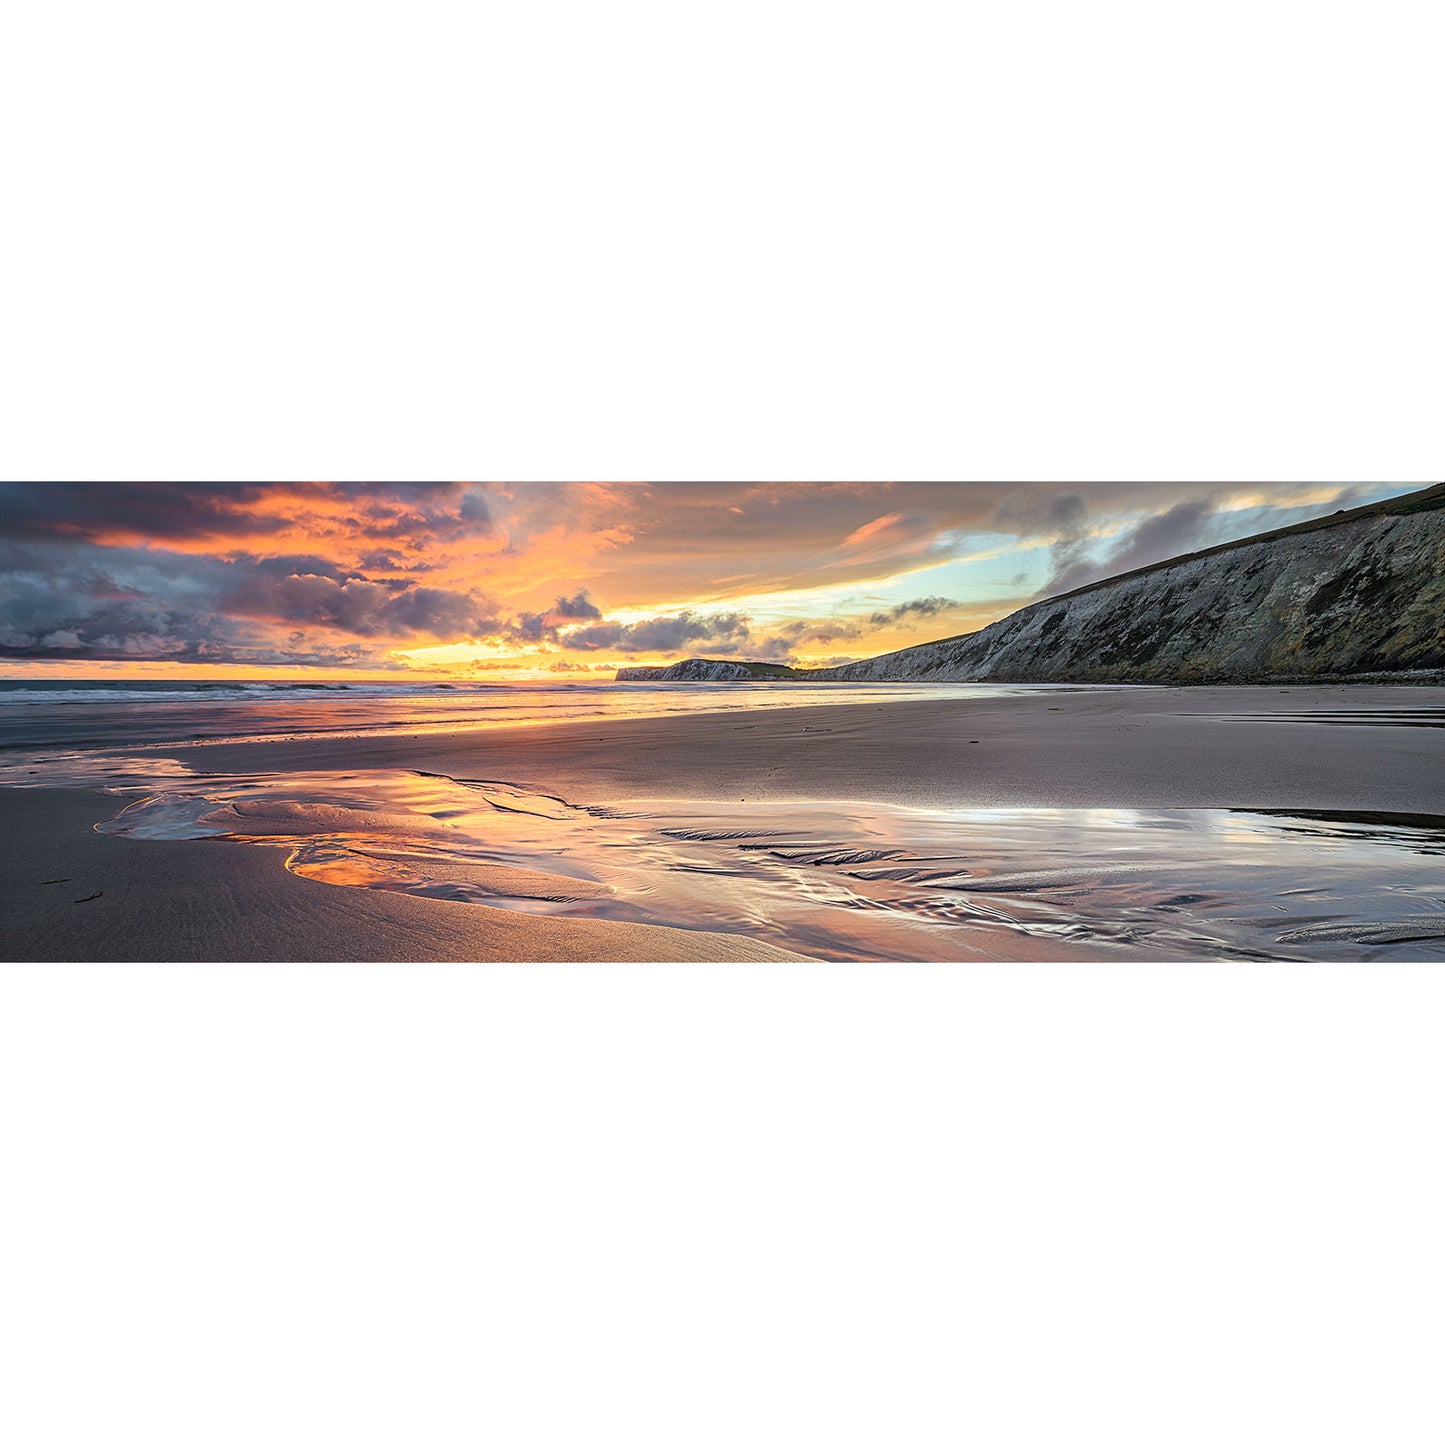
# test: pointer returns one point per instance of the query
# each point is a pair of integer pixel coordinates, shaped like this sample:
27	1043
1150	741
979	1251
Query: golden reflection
835	879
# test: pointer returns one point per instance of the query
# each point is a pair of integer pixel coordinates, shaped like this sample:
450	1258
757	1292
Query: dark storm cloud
683	631
84	612
166	511
825	630
577	607
134	603
1061	518
772	649
420	522
1039	512
378	561
1180	529
362	607
542	626
919	607
1166	535
474	512
303	564
413	514
530	627
298	650
662	634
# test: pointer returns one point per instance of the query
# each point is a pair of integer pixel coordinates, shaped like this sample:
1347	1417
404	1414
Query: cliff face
1363	593
1360	592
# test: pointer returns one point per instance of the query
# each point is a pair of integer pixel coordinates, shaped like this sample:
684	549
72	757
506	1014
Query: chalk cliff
1357	593
706	669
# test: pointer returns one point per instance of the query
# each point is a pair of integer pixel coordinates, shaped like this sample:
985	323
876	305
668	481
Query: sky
565	581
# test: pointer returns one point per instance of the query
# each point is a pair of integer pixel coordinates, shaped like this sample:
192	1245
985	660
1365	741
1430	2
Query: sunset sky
564	580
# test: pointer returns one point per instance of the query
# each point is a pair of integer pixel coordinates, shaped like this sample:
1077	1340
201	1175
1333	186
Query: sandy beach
161	901
1357	751
1255	747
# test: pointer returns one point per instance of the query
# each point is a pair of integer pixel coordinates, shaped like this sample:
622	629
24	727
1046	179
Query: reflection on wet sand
280	714
1397	717
829	879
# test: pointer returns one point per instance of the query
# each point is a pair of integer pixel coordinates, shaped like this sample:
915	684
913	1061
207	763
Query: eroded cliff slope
1358	593
1361	592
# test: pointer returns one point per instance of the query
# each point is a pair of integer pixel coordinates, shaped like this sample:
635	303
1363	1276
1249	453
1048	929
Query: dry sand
1137	748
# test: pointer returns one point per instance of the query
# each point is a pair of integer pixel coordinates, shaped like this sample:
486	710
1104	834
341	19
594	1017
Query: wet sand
162	901
1217	747
1257	748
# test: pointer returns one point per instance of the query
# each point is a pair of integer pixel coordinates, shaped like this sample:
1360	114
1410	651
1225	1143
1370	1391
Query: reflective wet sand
836	880
283	713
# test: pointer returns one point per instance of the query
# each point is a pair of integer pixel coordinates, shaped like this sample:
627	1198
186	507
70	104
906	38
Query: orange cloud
870	531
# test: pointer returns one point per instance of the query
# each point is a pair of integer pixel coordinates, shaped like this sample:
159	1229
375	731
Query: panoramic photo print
688	721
